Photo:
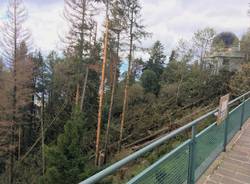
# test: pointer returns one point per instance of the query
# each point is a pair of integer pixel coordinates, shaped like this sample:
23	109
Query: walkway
232	167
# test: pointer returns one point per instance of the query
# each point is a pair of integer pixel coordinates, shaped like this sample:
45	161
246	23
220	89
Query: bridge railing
187	162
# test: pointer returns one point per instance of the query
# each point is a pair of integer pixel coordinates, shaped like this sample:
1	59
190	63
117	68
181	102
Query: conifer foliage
65	159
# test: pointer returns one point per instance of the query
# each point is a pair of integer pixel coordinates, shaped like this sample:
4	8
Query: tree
172	56
24	95
101	94
150	82
66	159
202	42
184	51
239	84
136	31
245	45
117	27
79	15
157	59
185	56
14	35
41	80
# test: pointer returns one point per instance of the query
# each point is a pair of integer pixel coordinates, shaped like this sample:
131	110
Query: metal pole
191	165
242	113
225	134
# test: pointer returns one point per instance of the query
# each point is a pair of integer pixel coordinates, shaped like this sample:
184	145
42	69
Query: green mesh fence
247	110
209	143
174	167
171	168
234	122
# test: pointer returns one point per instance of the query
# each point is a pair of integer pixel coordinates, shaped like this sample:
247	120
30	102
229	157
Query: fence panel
247	110
171	168
209	143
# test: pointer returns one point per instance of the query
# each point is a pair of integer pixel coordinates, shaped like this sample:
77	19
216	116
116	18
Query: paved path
232	167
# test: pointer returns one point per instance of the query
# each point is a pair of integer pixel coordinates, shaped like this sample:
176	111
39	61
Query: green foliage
157	59
150	82
240	82
245	45
65	159
217	85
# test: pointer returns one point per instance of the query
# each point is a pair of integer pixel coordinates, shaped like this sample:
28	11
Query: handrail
111	169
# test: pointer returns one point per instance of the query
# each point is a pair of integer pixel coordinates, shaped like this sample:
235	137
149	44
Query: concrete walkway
232	167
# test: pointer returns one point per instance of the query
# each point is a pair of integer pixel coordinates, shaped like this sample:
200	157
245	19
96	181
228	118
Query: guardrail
187	162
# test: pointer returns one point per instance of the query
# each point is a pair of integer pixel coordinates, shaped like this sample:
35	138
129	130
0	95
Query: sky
167	20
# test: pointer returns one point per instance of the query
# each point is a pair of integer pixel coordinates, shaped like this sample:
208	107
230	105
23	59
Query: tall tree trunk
101	94
112	96
125	101
42	133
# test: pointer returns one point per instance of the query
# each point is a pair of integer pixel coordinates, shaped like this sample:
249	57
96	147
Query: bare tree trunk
101	94
125	101
42	134
112	96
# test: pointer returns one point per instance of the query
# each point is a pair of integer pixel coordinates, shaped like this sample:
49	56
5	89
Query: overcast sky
168	20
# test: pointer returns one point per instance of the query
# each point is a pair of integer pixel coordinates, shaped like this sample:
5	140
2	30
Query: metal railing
187	162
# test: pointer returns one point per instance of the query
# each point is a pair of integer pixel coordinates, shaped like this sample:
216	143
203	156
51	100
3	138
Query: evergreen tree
150	82
66	159
157	59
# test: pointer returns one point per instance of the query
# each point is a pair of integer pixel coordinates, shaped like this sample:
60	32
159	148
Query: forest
65	116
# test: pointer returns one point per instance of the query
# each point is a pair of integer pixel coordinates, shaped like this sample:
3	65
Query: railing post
242	113
191	165
225	133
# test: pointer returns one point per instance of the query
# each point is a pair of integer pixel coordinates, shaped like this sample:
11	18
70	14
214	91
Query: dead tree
14	34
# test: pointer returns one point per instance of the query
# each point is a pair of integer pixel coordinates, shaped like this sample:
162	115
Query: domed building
225	53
